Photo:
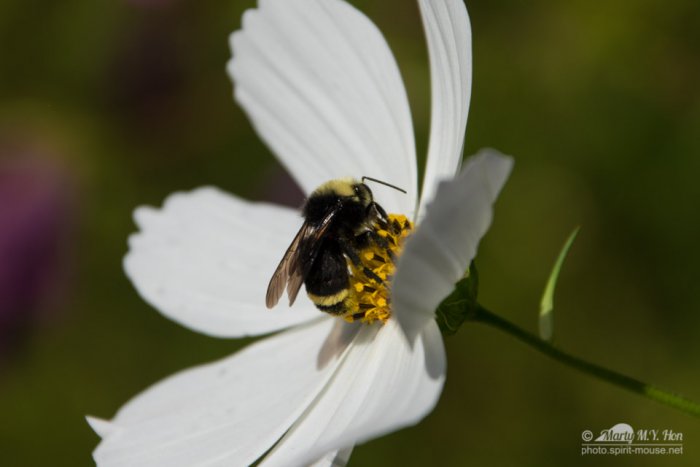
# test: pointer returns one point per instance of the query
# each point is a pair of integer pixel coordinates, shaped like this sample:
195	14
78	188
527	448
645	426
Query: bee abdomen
327	281
331	303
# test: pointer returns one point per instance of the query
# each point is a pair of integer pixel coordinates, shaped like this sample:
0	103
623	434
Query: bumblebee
339	222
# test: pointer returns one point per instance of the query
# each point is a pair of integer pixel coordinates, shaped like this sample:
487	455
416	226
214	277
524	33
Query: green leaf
460	305
547	302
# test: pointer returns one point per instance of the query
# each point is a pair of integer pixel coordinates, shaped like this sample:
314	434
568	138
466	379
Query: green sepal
460	305
546	316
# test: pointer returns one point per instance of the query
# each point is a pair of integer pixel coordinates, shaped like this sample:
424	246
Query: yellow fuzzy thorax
368	300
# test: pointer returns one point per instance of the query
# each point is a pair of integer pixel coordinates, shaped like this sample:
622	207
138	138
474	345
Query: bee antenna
383	183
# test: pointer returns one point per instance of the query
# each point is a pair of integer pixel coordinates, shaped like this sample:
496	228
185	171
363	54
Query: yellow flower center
369	298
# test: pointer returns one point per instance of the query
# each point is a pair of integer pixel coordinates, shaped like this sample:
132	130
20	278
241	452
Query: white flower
323	90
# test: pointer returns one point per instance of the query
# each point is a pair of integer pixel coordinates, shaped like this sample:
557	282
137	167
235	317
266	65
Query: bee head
362	194
347	189
334	194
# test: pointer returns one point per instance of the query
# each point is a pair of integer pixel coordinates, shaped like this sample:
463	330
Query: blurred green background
124	102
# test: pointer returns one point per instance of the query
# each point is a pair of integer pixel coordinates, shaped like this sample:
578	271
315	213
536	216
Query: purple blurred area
36	219
280	188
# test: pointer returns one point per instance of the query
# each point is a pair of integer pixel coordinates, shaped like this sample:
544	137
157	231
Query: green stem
485	316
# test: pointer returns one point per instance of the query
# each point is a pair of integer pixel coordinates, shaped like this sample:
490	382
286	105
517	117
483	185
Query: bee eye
357	190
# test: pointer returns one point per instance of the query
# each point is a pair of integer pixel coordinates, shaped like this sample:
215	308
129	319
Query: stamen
369	301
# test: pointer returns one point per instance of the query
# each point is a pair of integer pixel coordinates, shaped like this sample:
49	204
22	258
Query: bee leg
383	221
380	214
359	316
380	241
351	253
368	236
369	273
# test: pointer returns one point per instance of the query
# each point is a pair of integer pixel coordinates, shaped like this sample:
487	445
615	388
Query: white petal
381	385
438	254
102	427
338	458
323	90
449	36
205	259
226	413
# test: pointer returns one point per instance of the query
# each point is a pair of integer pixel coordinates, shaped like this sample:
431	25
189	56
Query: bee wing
296	262
281	275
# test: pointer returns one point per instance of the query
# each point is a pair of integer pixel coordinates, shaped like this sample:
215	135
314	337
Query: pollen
369	298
